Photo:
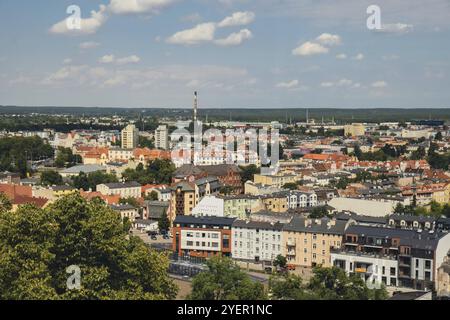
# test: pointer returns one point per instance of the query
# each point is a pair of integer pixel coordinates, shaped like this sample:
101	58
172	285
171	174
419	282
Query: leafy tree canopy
225	281
38	245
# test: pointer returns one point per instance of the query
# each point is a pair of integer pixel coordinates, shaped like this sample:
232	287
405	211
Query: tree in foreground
326	284
225	281
38	245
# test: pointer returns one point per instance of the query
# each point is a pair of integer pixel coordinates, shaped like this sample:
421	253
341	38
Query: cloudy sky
236	53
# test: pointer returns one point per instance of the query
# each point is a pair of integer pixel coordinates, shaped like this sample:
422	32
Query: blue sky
236	53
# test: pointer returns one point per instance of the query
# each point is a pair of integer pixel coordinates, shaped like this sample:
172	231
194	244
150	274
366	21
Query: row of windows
202	244
202	235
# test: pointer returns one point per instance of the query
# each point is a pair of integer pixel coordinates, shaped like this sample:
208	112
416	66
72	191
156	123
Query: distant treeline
251	114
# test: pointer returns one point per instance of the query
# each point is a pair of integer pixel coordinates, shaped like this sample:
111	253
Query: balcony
290	243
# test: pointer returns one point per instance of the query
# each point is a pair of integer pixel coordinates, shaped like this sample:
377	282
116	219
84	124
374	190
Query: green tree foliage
326	284
164	223
91	180
158	171
130	200
66	158
5	203
225	281
248	172
419	154
146	143
51	178
436	160
280	261
290	186
153	196
319	212
37	245
15	151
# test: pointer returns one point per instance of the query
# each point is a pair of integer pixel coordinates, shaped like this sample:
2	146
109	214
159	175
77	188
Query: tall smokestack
195	105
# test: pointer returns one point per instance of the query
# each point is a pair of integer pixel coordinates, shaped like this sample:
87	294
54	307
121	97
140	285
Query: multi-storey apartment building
130	137
275	180
256	241
162	137
124	190
202	236
395	257
308	242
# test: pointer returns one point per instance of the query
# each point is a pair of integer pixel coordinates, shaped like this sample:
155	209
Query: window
427	264
383	270
392	271
190	243
427	275
417	263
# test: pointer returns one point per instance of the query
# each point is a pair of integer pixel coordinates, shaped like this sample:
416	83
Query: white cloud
327	84
359	56
240	18
67	61
128	60
397	28
107	59
341	56
379	84
73	73
342	83
328	39
309	48
201	33
89	45
137	6
235	39
288	85
88	25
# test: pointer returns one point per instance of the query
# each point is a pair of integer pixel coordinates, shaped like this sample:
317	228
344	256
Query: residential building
354	130
308	242
124	189
130	137
162	137
256	241
202	236
394	257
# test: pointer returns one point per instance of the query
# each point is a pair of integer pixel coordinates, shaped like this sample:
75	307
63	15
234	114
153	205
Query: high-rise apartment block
162	137
130	137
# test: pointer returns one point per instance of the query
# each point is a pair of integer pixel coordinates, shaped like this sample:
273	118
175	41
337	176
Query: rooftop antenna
307	116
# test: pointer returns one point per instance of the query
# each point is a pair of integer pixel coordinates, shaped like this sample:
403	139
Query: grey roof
187	170
156	208
121	207
184	185
220	169
257	225
299	224
86	168
420	240
120	185
361	219
412	218
217	221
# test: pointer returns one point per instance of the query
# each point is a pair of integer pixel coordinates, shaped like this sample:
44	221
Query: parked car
268	269
153	237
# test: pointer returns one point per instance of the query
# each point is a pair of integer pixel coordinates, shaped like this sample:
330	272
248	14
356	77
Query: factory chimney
195	106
